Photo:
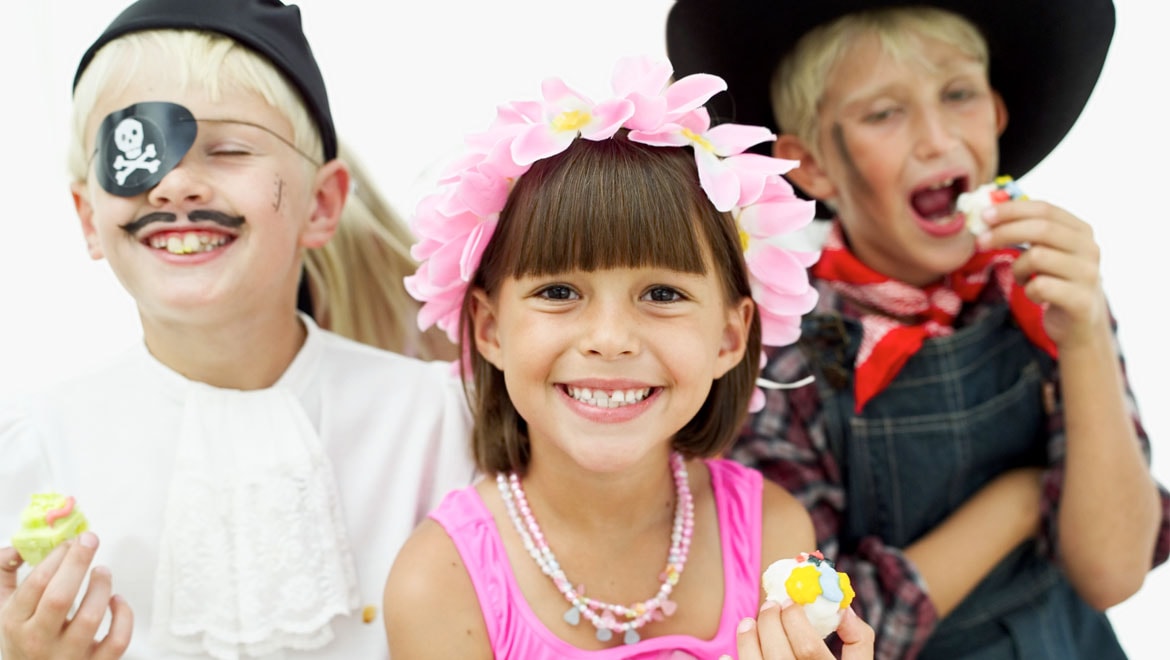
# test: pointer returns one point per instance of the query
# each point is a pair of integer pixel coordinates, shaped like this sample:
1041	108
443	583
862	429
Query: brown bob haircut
647	204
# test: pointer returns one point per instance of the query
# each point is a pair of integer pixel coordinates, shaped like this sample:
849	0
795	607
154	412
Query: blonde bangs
214	62
798	84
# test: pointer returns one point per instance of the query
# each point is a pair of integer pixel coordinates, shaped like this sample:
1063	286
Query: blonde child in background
593	267
971	454
353	283
250	474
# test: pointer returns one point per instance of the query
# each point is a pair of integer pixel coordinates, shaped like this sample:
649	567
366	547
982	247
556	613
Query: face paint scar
843	150
278	193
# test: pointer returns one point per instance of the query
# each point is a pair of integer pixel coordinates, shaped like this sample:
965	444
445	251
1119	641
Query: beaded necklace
608	618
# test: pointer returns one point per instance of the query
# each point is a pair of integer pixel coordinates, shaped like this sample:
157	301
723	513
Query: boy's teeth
187	243
608	398
942	184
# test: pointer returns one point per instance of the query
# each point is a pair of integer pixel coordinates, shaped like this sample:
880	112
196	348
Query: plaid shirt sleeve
787	442
1054	476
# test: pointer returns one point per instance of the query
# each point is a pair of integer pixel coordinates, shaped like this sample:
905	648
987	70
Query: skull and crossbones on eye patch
128	138
138	145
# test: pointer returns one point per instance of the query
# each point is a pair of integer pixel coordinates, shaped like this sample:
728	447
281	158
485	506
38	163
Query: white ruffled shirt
258	524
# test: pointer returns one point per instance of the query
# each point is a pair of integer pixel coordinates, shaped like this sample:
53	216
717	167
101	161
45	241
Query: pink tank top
516	632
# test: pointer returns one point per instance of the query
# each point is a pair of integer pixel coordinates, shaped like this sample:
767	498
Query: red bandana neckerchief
903	316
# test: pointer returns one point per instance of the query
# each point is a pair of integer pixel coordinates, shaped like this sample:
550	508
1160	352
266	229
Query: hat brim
1046	57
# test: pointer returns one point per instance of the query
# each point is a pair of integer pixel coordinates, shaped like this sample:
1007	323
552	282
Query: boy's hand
34	616
786	634
1061	268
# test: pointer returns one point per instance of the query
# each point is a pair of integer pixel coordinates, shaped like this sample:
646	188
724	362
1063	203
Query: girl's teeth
608	399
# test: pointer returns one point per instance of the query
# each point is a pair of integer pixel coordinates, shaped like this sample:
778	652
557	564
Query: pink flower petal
443	268
794	304
531	111
719	182
649	112
776	218
423	249
539	141
692	91
757	401
557	94
484	194
696	121
477	242
777	267
607	118
754	171
667	136
640	75
779	330
732	139
498	161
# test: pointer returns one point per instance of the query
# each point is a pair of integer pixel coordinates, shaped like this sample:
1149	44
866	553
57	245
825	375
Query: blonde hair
356	278
798	83
212	60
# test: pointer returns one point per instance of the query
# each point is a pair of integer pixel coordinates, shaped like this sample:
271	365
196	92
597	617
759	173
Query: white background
408	79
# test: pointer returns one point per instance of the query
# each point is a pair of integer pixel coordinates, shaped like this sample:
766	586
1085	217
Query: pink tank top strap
473	531
739	504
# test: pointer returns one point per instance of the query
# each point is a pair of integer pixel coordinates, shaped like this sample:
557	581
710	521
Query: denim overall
962	410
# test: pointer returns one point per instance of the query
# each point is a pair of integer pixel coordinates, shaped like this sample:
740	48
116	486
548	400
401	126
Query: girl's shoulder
787	526
430	606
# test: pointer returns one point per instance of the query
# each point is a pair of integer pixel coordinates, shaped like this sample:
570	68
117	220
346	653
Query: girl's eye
557	292
664	294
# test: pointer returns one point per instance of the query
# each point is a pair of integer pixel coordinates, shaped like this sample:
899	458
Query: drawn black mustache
222	219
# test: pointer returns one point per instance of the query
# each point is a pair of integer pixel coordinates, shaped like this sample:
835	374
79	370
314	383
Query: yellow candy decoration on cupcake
49	520
811	581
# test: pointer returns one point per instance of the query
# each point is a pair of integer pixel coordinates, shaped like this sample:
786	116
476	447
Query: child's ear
808	176
735	335
85	215
486	328
1001	113
330	190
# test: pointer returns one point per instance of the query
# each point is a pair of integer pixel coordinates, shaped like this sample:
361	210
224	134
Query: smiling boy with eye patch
250	474
971	436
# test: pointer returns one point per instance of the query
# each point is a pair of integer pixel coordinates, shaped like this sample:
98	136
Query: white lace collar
253	555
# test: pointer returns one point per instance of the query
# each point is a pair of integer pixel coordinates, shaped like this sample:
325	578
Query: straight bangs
596	206
645	201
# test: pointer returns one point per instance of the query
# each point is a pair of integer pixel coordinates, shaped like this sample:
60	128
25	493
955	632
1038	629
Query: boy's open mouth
937	201
188	242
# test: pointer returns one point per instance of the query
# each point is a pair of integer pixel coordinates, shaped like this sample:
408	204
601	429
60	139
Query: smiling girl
608	318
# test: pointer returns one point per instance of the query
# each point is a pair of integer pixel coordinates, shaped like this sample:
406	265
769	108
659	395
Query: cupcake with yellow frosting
811	581
49	520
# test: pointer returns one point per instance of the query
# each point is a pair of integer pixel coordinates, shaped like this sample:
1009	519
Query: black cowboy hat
1046	56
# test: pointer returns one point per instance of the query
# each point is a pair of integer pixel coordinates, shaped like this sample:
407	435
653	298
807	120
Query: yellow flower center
804	584
744	239
698	139
571	120
846	590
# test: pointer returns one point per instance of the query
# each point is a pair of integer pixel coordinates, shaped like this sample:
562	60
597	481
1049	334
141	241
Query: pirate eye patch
138	145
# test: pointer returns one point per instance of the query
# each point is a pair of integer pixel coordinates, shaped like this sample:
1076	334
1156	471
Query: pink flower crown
455	223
